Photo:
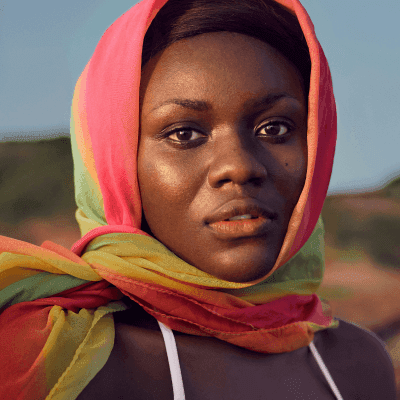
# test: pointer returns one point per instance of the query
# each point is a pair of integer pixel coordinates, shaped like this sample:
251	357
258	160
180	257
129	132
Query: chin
241	272
243	277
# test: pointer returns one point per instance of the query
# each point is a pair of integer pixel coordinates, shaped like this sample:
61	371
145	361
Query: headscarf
56	323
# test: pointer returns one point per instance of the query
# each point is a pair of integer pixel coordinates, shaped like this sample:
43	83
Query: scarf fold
56	305
54	302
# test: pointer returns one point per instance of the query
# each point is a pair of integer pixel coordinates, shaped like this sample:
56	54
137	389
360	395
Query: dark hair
265	20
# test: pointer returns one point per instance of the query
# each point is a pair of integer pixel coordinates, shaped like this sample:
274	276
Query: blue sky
45	44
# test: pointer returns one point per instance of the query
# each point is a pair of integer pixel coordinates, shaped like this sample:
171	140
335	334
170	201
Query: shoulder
358	360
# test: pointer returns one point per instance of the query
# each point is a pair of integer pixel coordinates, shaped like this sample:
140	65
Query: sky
45	45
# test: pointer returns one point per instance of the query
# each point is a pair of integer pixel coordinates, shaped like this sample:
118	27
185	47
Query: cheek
296	167
292	171
164	176
164	185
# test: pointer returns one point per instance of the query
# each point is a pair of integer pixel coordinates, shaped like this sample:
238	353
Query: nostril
257	181
239	174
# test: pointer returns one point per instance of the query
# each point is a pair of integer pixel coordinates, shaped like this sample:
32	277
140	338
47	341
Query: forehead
216	66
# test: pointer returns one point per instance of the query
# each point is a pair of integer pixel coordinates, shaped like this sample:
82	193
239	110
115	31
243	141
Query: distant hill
37	191
36	179
369	220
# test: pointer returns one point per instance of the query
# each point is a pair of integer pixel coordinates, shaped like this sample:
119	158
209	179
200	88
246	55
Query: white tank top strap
176	374
325	371
173	360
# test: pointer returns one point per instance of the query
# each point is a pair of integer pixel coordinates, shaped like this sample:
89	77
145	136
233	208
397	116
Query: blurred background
45	45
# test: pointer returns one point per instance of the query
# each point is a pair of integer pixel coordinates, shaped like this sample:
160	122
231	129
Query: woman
214	297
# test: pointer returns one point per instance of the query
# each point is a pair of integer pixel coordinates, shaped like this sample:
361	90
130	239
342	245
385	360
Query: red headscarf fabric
37	314
106	132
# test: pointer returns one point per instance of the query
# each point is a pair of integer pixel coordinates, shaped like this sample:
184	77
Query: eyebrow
197	105
267	101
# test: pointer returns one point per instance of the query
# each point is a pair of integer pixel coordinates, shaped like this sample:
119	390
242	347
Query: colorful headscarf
56	305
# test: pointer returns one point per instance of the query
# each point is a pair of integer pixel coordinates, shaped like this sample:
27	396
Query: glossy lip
260	224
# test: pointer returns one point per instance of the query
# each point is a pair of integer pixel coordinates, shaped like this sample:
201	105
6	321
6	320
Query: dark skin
215	370
232	146
179	187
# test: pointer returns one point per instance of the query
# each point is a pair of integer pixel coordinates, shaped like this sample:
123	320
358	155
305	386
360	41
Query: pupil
273	129
184	135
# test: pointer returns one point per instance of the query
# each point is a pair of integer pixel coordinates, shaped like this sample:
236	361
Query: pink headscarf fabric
105	136
106	125
56	301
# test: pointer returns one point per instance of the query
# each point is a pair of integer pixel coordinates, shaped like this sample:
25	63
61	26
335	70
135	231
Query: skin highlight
223	119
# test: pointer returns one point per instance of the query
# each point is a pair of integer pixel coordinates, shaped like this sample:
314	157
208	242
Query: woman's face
223	133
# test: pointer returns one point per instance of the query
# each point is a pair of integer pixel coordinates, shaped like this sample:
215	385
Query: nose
236	160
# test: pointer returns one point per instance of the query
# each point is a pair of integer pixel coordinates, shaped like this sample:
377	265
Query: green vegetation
392	189
36	179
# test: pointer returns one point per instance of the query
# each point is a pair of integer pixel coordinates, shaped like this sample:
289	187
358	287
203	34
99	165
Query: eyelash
191	143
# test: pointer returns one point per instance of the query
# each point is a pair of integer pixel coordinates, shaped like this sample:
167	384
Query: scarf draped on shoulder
56	305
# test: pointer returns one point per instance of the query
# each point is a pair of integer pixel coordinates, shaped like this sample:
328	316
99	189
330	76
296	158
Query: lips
235	208
259	223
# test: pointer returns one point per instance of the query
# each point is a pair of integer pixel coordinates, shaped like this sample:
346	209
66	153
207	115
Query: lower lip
241	228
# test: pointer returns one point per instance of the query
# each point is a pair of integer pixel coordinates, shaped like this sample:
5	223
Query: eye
274	128
184	135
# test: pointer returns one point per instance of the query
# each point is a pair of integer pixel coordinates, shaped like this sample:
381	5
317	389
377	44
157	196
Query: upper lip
236	207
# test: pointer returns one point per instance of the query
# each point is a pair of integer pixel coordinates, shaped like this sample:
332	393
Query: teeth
246	216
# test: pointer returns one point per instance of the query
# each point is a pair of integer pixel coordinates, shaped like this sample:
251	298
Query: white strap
173	359
176	374
325	371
